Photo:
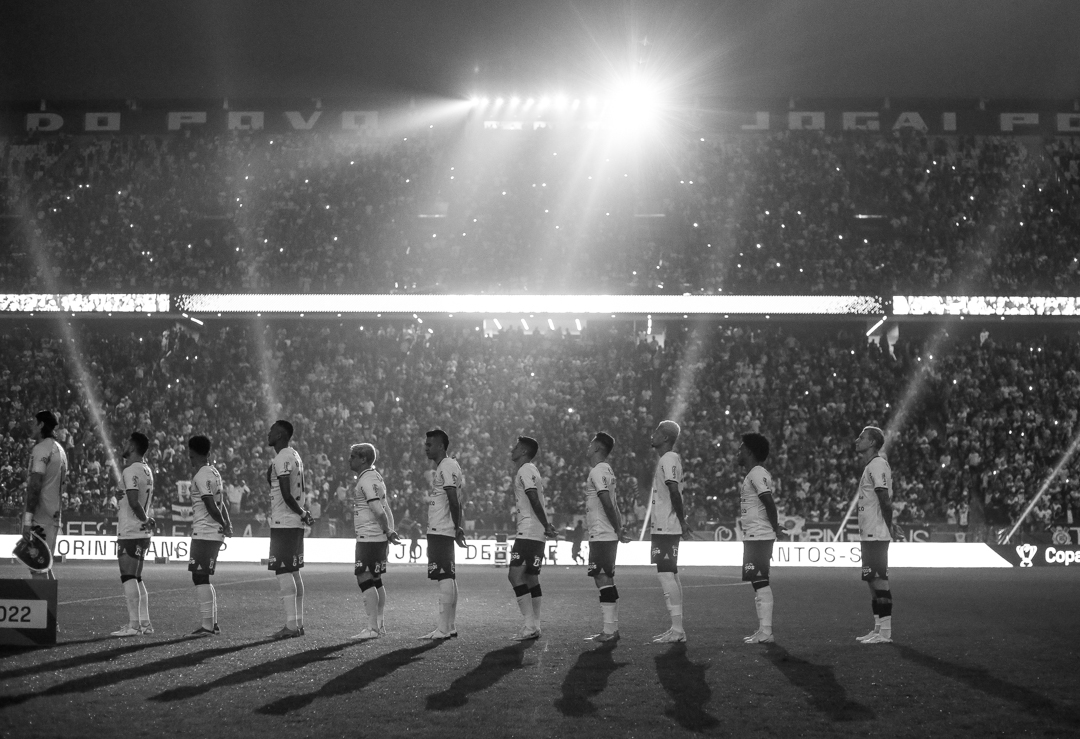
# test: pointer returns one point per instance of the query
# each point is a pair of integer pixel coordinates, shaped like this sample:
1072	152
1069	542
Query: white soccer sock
371	605
144	604
877	623
611	617
669	581
452	623
382	606
204	594
287	586
299	599
536	610
131	595
447	597
763	601
525	606
886	627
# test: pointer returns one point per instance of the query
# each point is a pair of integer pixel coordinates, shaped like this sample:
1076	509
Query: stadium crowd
987	420
449	209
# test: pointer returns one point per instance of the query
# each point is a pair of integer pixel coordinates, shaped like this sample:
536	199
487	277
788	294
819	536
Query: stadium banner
1038	555
179	525
797	529
635	553
955	117
28	612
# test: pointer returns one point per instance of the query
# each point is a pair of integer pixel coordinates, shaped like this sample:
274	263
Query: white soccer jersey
871	523
287	462
447	475
753	518
207	481
139	478
369	488
664	520
601	478
49	460
528	525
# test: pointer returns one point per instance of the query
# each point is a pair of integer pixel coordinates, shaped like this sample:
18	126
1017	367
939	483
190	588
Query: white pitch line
159	592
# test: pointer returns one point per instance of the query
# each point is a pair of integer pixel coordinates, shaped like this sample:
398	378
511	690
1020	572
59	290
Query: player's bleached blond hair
366	452
671	430
876	435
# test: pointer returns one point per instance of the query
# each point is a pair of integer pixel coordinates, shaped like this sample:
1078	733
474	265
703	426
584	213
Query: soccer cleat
127	631
453	633
877	638
603	637
864	637
661	636
301	630
671	637
217	629
285	633
435	635
203	631
526	635
146	629
759	637
365	635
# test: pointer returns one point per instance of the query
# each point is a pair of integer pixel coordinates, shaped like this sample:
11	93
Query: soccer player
134	529
48	472
668	526
875	524
576	537
374	524
287	519
533	530
605	532
210	524
444	528
760	528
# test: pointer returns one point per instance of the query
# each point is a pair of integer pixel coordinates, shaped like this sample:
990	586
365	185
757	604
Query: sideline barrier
635	553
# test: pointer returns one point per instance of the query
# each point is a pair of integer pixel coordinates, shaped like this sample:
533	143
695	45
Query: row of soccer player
374	527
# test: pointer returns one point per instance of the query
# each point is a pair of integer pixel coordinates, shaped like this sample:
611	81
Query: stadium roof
121	49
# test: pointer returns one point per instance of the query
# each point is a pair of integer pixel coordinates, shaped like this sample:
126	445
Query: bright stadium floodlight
529	103
561	102
514	102
633	105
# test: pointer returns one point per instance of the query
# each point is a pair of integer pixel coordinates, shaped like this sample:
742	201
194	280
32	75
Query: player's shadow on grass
685	683
85	659
494	666
819	682
980	679
255	672
352	681
587	679
106	679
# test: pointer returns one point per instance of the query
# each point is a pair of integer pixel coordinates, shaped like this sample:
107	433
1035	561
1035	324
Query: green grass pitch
976	653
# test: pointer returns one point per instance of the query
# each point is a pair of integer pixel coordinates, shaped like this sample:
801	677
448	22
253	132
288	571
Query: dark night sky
96	49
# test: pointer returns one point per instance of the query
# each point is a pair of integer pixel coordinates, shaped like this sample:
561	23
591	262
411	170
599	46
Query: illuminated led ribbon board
547	304
583	305
984	305
84	303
